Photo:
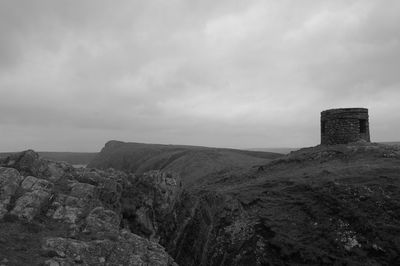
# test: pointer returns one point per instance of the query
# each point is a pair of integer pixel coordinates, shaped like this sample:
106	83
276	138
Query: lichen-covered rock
26	162
31	183
29	163
66	208
9	182
37	194
102	222
130	249
84	207
89	176
110	192
83	191
71	207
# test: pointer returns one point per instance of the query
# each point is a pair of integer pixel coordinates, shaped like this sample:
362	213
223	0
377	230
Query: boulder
32	183
9	182
26	162
82	191
102	222
37	194
29	163
72	207
68	214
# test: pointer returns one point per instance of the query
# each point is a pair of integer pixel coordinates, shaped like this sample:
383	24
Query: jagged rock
26	162
71	207
148	200
31	183
165	184
9	182
29	205
130	249
83	191
66	208
90	209
29	163
89	176
110	192
37	193
100	221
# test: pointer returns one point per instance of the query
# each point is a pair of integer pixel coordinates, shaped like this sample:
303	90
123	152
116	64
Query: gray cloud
74	74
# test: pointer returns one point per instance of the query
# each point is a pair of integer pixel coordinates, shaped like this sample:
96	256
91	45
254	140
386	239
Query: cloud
226	73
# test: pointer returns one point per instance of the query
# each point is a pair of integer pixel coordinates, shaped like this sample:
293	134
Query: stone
37	193
32	183
67	214
102	220
82	191
29	205
51	262
23	161
9	183
29	163
91	176
130	249
78	259
110	192
67	208
70	208
55	170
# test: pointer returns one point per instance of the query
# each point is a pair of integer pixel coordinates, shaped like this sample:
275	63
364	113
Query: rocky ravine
327	205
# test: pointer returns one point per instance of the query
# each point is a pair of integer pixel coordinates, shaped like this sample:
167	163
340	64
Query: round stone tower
345	125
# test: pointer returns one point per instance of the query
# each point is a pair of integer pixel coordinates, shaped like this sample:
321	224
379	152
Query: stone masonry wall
341	126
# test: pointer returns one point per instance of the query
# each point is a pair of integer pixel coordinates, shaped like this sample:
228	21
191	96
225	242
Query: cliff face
190	162
324	205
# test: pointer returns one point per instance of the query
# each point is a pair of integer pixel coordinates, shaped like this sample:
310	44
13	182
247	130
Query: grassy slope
192	162
324	200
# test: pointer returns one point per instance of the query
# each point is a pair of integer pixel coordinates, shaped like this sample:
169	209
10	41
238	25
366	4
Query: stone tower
345	125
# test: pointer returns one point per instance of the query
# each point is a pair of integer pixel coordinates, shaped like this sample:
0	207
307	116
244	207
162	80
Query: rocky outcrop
9	183
37	193
102	223
71	217
72	206
130	249
29	163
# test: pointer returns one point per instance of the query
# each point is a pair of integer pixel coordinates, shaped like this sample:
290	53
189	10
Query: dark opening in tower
363	125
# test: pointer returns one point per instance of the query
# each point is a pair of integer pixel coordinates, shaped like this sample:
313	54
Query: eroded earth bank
326	205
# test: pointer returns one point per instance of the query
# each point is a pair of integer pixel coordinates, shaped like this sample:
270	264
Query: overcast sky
75	74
